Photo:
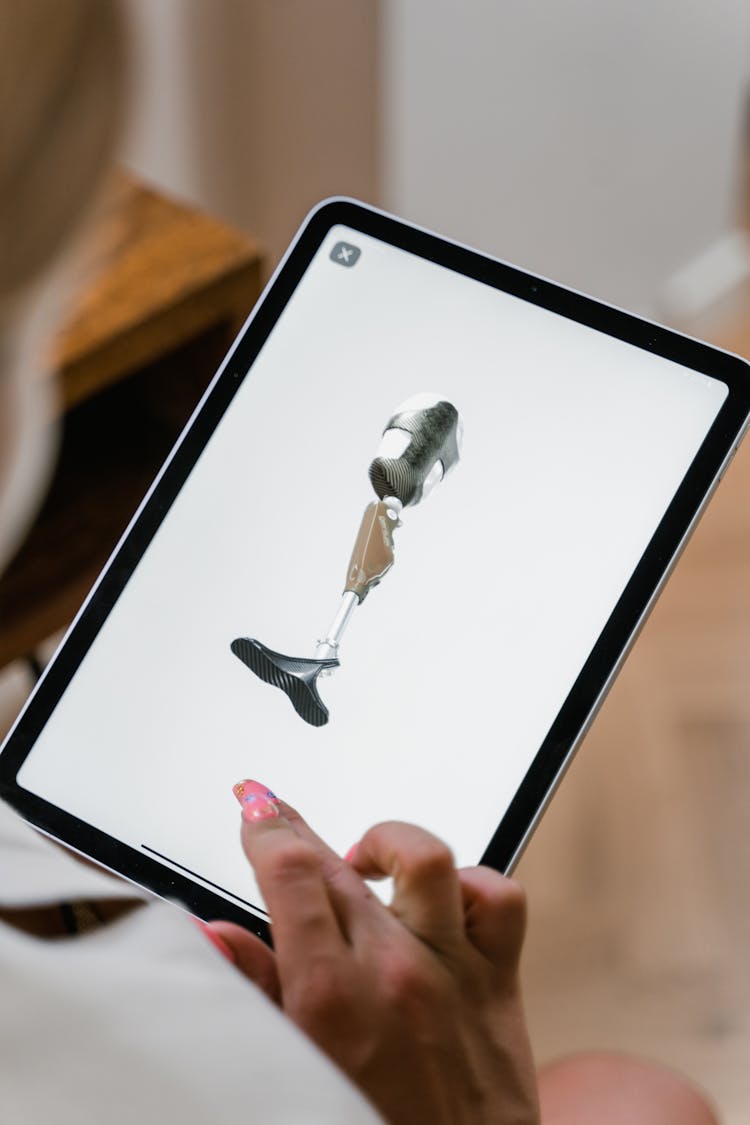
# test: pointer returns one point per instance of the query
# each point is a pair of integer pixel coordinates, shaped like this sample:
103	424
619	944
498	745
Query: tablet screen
453	668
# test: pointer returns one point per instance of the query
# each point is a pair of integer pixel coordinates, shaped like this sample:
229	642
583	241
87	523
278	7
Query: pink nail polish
348	858
216	940
257	800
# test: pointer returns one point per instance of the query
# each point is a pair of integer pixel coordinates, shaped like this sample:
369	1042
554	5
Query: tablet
390	568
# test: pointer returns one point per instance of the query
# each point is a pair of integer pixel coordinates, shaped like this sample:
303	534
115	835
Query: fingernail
349	857
258	801
216	939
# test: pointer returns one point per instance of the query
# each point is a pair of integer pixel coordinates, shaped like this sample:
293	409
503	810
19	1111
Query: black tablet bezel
608	652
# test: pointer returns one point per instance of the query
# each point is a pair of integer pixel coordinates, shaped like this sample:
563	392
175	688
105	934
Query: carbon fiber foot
295	676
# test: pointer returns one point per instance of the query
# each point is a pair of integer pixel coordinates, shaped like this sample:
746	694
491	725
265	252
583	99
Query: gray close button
345	254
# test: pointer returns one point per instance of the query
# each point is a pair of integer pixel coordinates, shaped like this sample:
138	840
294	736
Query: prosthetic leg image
420	444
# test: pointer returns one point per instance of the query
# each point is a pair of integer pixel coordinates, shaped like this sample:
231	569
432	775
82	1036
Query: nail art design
258	801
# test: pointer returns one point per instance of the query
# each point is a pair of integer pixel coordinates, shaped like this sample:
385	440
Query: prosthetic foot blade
295	676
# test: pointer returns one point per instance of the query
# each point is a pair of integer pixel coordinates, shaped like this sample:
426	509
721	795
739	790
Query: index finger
356	908
289	875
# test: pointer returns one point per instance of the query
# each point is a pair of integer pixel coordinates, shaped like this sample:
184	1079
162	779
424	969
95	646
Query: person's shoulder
144	1019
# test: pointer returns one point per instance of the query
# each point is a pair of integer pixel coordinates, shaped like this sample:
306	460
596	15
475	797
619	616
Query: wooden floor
639	876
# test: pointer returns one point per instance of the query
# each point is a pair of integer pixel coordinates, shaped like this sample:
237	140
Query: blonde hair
62	66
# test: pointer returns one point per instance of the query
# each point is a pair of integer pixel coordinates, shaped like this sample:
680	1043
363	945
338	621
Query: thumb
254	959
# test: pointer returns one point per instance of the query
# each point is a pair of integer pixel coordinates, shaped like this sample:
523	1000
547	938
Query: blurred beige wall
257	109
598	146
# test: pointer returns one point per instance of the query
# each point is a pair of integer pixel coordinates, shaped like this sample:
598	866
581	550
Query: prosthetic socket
420	444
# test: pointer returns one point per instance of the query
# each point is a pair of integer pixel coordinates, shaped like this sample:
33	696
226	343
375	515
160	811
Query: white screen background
454	668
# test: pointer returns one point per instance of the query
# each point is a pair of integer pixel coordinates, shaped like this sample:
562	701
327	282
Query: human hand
417	1002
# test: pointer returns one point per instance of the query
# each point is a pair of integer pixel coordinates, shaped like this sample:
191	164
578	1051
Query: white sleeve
144	1022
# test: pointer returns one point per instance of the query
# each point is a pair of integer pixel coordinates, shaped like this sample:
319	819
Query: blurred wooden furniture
169	289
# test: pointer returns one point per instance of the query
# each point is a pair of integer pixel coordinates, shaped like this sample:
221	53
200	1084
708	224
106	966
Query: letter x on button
345	254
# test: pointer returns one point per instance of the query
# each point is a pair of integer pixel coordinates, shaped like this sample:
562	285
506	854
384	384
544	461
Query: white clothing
142	1021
